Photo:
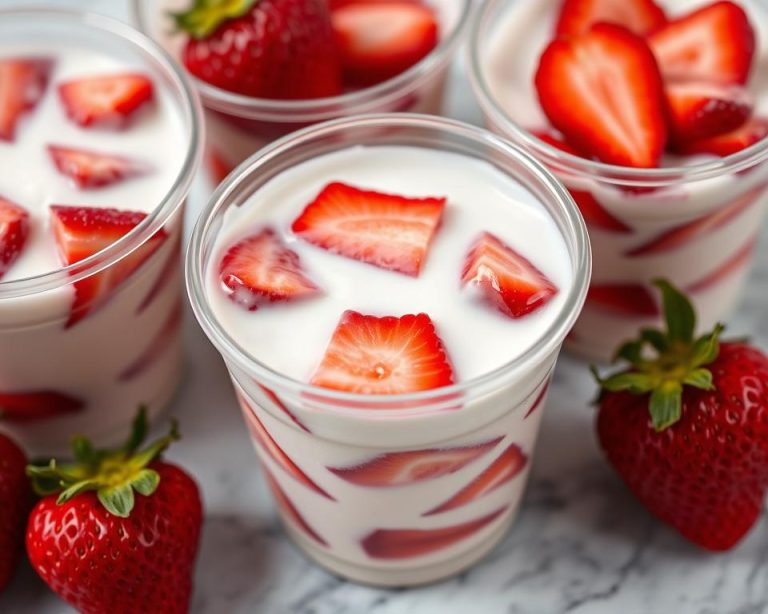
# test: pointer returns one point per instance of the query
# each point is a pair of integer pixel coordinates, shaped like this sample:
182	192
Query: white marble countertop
581	543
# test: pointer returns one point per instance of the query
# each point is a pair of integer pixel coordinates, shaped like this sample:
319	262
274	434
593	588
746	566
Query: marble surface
581	544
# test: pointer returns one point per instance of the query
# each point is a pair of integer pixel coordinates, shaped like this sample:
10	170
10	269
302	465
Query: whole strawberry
121	535
686	427
15	499
283	49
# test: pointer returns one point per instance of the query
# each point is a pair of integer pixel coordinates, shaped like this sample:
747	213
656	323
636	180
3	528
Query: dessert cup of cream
694	220
96	165
382	486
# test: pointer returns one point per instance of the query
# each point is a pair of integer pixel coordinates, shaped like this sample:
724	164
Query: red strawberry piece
507	280
15	501
502	471
282	49
158	346
682	423
556	141
409	543
275	452
289	509
539	399
623	299
597	216
389	355
106	101
687	233
23	82
91	169
735	263
603	91
14	230
403	468
272	396
218	167
640	16
117	531
388	231
166	275
260	269
378	41
753	131
37	405
713	43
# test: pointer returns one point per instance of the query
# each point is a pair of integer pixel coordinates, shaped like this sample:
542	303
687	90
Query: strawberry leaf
206	16
700	378
118	500
146	482
678	312
666	405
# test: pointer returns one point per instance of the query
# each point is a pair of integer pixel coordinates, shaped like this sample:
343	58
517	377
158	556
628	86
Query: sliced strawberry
539	400
507	280
23	82
282	406
261	269
275	452
623	299
37	405
604	92
640	16
753	131
503	470
157	346
82	232
378	41
713	43
595	215
702	109
289	509
402	468
735	263
109	101
166	275
388	355
687	233
91	169
556	141
408	543
14	230
391	232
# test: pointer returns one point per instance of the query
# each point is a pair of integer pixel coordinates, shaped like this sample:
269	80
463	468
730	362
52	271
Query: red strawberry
82	232
684	427
389	355
604	92
408	543
640	16
753	131
401	468
378	41
14	230
15	500
556	141
504	469
260	269
702	109
507	280
282	49
91	169
108	101
157	346
597	216
289	509
23	82
713	43
735	263
623	299
391	232
117	531
37	405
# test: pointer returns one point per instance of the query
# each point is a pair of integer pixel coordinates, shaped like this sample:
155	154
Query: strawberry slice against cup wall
664	146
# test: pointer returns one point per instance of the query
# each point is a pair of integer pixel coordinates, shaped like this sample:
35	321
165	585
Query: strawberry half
595	215
389	355
23	82
37	405
604	92
388	231
507	280
752	132
14	230
109	101
713	43
640	16
378	41
82	232
92	169
260	269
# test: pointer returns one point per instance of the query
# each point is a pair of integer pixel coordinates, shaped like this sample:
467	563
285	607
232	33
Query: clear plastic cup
58	378
696	225
445	518
237	126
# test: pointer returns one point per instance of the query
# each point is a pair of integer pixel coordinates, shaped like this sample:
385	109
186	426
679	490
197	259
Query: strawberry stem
205	16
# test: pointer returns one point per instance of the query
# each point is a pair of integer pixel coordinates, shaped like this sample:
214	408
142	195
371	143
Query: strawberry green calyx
662	363
113	474
205	16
